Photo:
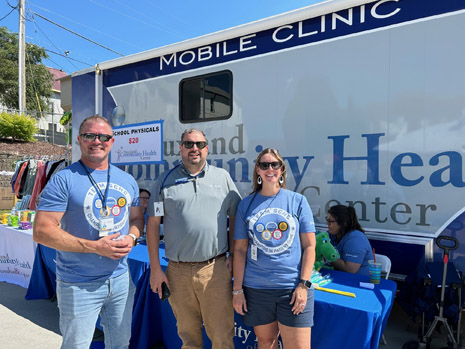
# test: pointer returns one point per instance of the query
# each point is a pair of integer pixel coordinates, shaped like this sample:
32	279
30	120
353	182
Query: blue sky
128	27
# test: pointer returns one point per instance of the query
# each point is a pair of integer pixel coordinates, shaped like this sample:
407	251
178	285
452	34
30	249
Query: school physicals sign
138	144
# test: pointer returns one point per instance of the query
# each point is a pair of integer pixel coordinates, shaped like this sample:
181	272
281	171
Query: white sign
138	144
17	251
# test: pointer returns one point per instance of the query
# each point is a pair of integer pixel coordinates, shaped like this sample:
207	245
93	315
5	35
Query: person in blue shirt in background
348	237
144	196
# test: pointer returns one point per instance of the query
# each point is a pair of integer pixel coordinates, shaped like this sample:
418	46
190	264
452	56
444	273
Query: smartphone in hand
165	291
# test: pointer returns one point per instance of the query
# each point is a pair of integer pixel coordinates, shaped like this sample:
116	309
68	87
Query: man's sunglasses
190	144
275	165
91	137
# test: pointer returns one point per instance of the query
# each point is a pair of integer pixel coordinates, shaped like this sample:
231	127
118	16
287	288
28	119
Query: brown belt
208	261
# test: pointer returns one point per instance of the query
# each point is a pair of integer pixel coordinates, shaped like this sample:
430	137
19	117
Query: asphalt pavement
27	323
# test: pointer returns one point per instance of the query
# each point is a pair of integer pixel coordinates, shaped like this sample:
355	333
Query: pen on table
330	290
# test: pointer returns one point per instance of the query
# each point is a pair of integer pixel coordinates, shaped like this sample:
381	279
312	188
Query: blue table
340	321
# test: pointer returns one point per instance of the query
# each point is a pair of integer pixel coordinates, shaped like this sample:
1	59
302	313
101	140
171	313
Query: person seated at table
348	237
144	196
274	253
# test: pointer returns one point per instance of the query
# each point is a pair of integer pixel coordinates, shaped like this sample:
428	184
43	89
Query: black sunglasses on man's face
190	144
88	137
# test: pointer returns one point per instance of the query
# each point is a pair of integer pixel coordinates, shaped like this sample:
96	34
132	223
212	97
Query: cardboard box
7	199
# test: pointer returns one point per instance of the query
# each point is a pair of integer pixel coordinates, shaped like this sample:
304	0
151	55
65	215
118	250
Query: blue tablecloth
340	321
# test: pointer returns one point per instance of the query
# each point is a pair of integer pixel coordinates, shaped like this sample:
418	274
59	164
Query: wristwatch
307	283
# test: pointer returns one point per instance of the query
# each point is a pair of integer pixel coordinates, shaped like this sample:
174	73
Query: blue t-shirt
273	225
355	247
71	191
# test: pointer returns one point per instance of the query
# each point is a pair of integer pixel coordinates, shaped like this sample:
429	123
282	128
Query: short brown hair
95	118
192	130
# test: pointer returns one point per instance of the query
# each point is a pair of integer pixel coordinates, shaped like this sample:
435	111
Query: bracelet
235	293
134	238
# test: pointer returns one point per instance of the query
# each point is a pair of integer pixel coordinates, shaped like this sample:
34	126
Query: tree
38	78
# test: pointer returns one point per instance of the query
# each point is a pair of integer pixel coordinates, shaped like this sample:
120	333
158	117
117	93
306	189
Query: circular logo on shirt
260	227
272	240
122	202
116	210
98	203
271	226
94	211
277	234
266	235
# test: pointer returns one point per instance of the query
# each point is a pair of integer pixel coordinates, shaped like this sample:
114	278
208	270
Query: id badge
105	225
158	209
253	252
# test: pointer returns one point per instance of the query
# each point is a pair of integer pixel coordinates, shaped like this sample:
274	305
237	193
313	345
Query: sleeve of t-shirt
240	226
353	250
135	195
54	197
307	224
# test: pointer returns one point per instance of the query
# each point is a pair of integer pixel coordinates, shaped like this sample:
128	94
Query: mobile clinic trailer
365	100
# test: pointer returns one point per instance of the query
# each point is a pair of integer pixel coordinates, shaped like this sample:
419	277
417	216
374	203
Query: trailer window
206	97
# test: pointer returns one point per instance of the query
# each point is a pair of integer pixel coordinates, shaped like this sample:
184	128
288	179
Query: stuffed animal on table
325	252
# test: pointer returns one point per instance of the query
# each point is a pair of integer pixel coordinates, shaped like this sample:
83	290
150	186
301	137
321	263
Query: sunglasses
190	144
275	165
91	137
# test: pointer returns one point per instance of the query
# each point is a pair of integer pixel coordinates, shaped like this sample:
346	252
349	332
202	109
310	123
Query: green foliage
38	78
18	127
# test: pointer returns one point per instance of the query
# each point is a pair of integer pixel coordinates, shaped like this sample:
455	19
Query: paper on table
367	285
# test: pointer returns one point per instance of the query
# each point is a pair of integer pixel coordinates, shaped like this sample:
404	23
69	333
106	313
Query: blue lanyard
178	181
102	196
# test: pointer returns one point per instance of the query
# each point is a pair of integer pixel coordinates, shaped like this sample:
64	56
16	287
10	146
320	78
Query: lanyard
102	196
178	181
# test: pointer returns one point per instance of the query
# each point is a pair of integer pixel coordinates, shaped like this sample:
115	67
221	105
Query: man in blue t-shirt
89	212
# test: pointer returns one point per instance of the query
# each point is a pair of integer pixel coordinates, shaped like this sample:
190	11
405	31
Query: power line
12	9
67	19
73	59
81	36
9	13
37	26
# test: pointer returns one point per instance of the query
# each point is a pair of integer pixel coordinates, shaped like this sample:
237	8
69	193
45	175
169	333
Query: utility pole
22	59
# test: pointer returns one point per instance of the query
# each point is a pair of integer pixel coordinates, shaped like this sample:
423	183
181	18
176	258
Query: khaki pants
201	293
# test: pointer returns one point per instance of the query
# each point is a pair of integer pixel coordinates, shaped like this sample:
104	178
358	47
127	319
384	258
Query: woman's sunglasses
190	144
275	165
91	137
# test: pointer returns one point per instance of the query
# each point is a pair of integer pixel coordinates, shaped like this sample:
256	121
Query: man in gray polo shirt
195	200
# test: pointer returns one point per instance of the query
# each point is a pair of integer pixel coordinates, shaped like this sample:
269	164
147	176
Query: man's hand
109	247
157	277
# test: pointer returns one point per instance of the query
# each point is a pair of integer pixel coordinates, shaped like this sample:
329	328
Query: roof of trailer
244	29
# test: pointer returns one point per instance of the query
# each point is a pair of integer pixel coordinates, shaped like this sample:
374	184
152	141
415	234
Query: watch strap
134	238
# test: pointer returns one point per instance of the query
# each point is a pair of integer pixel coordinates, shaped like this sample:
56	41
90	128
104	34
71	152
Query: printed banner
17	251
138	144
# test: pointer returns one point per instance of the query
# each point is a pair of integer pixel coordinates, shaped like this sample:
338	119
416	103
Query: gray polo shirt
195	212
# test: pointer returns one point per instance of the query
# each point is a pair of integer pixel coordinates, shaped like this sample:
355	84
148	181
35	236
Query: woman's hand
299	299
239	303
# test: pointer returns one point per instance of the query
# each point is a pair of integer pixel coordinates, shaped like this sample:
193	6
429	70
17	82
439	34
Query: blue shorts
266	306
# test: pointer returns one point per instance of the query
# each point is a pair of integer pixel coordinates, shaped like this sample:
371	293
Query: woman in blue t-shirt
274	252
349	238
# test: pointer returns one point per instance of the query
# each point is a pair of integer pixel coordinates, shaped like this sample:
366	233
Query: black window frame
202	77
